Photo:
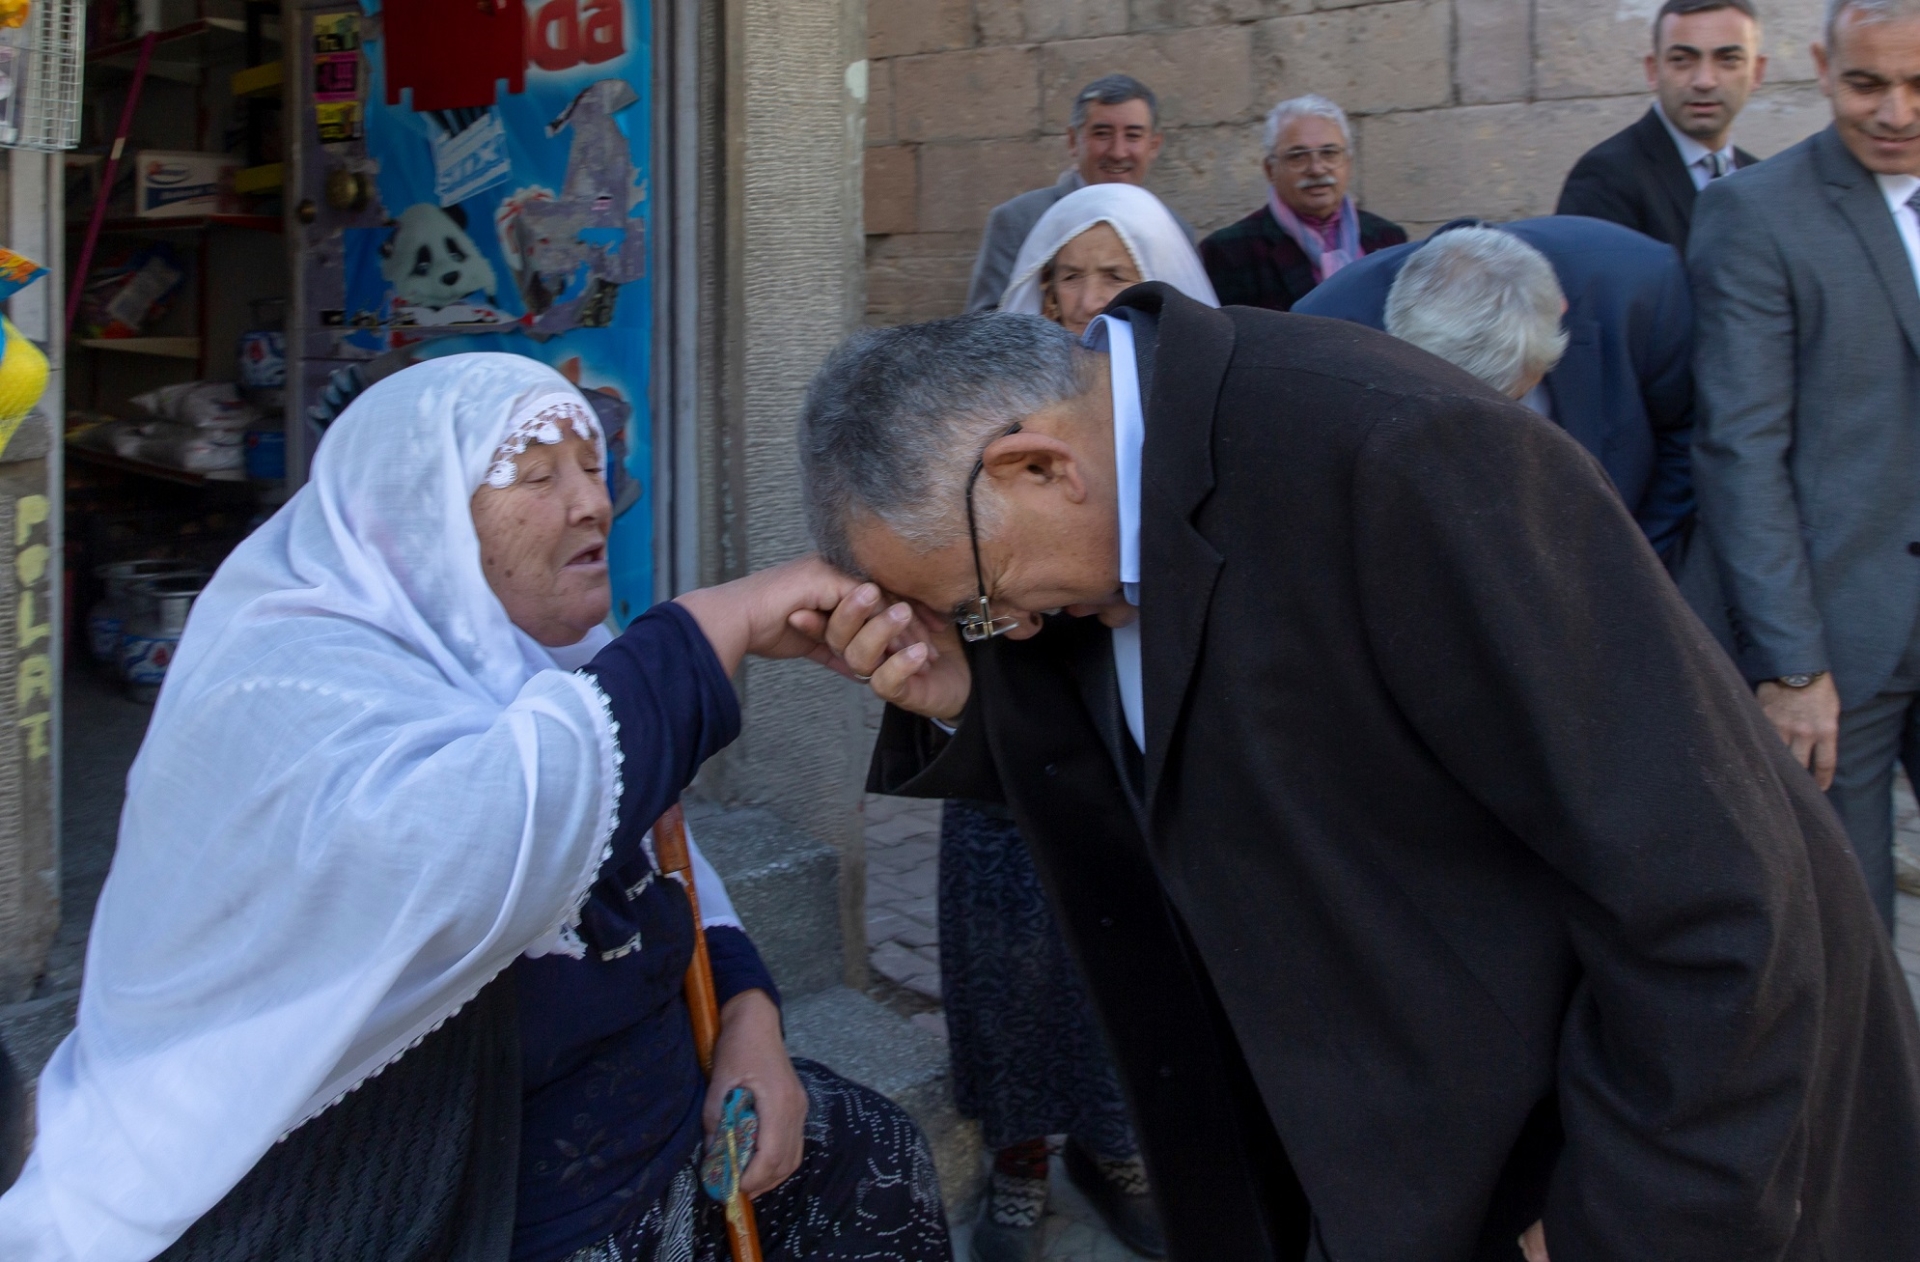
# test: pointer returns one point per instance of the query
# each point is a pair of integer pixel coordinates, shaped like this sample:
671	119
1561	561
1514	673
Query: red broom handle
147	42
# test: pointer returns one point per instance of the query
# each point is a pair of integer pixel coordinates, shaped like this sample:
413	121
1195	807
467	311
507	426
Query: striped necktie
1716	165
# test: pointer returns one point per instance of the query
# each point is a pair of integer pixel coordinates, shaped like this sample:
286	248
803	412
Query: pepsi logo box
173	185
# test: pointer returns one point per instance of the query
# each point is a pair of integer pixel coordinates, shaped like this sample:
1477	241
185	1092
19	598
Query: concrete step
786	887
860	1039
29	1032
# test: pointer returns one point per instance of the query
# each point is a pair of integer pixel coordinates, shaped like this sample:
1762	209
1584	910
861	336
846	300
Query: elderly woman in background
1028	1057
1094	243
385	967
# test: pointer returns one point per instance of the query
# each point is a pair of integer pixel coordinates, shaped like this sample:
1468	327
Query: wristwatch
1800	681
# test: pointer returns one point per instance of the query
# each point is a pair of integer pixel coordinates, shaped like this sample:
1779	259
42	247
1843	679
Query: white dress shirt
1129	441
1899	190
1698	157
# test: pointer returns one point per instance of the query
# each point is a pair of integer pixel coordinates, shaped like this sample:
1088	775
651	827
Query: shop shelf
171	347
261	179
182	52
133	227
262	80
108	460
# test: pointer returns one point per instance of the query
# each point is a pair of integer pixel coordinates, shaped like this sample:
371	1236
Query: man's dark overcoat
1513	904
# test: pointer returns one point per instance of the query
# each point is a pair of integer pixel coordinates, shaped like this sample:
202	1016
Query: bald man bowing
1436	878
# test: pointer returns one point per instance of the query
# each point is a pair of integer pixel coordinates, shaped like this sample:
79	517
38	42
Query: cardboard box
172	185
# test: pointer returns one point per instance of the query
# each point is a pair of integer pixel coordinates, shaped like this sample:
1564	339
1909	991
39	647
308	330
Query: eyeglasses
975	617
1301	159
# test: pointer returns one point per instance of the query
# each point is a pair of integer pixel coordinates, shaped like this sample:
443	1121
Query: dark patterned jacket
1254	263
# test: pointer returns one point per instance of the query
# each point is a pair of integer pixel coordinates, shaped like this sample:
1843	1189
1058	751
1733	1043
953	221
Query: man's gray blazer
1807	442
1007	227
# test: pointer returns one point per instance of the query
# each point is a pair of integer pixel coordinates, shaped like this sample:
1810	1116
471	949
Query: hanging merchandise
41	50
23	366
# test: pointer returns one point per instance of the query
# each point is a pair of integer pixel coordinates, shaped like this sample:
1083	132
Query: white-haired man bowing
1435	877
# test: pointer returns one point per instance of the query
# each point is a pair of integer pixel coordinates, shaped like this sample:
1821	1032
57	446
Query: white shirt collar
1129	439
1898	189
1691	150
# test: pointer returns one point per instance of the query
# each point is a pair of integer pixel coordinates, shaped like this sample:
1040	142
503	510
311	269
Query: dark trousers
1874	736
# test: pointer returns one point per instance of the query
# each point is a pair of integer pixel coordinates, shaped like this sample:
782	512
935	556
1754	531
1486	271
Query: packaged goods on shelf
173	185
214	453
131	291
202	404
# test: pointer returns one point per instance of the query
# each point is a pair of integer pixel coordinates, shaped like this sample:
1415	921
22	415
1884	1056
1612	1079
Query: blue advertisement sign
523	226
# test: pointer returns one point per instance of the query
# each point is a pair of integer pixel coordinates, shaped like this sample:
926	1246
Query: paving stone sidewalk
903	943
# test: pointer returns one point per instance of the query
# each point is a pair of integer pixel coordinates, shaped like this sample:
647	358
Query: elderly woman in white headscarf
384	967
1028	1060
1096	242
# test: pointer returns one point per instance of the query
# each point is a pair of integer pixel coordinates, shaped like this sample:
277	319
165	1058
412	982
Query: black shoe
1133	1218
997	1242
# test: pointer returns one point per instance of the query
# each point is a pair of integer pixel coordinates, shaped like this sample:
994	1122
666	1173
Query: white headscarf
363	794
1152	235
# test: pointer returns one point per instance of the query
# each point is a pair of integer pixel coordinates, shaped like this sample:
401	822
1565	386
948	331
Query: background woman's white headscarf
1147	228
363	794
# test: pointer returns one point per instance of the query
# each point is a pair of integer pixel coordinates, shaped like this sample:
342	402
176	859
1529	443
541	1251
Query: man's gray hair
1312	105
896	418
1483	300
1114	89
1869	11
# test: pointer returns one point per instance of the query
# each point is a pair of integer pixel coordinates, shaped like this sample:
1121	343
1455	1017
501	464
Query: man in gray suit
1807	446
1113	136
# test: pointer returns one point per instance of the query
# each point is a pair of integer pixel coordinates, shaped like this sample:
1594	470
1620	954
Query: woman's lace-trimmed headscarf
364	792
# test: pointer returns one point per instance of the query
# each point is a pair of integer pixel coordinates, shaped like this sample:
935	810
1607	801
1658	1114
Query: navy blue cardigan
611	1089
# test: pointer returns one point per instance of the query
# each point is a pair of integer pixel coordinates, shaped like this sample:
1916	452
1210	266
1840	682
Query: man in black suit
1435	875
1706	61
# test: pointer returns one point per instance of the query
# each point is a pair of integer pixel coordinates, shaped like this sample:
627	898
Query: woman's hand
910	658
752	614
750	1053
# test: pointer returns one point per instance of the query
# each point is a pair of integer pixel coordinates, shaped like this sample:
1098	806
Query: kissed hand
751	1053
753	614
909	656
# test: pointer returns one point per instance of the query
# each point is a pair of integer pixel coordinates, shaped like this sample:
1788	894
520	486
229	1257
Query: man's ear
1025	456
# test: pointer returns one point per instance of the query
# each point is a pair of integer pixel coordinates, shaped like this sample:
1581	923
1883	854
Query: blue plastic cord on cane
731	1147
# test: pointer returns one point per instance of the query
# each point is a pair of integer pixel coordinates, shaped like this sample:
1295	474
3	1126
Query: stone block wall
1461	107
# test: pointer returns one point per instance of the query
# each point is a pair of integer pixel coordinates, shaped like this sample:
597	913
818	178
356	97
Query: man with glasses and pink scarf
1310	228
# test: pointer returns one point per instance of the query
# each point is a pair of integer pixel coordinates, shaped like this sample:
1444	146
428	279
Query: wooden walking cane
670	847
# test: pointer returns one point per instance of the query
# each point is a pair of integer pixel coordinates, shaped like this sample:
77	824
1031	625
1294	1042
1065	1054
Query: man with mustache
1806	449
1706	61
1113	137
1309	229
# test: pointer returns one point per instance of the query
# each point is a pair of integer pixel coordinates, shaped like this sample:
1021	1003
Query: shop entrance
311	197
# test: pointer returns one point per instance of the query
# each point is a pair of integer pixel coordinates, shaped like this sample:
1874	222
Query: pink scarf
1326	261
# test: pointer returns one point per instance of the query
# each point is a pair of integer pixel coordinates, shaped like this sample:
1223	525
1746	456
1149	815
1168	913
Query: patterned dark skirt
865	1192
1028	1056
